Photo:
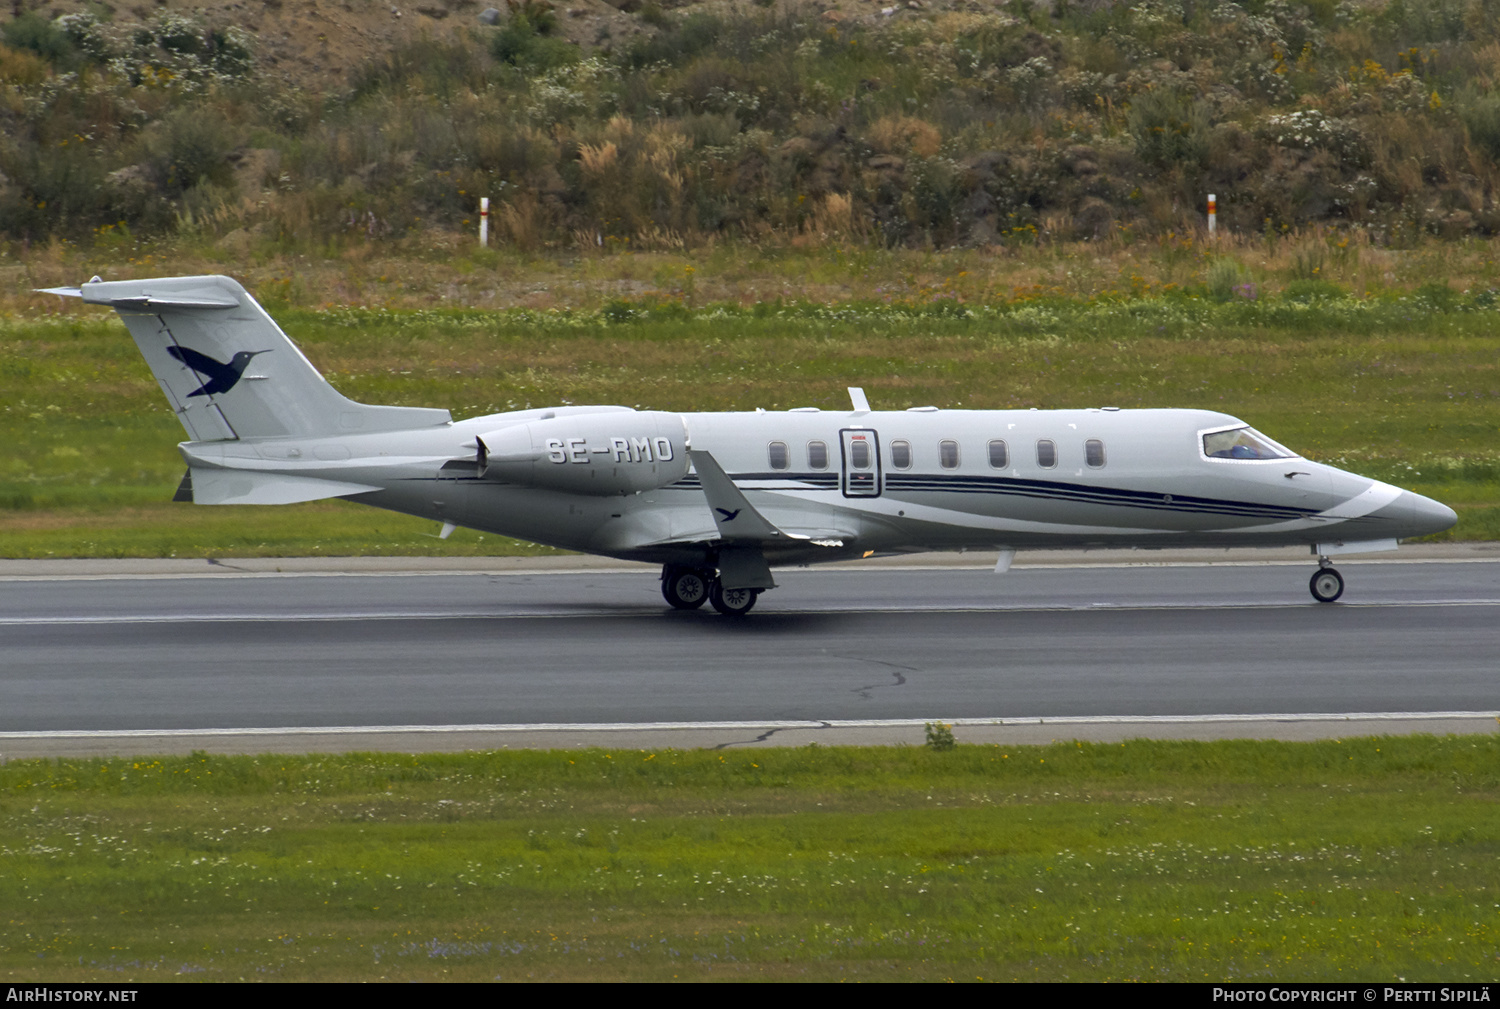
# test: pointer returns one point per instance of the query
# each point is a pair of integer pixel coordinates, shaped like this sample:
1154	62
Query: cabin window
817	455
859	454
999	455
1093	453
1243	443
948	454
1046	453
779	456
901	454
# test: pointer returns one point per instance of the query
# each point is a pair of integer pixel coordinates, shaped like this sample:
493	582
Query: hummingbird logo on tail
221	377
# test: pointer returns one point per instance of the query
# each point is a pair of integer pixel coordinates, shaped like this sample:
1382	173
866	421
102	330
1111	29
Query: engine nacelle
623	452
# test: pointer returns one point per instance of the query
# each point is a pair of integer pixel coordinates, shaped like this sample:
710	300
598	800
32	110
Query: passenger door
861	462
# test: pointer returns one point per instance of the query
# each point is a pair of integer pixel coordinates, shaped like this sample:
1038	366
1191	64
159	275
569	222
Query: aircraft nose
1431	516
1416	515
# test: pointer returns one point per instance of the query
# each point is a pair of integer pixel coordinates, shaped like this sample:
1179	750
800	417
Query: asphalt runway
506	659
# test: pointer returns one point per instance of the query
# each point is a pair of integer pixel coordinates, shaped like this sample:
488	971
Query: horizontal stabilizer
237	486
146	302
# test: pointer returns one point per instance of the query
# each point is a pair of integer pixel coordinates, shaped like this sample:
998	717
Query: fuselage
845	483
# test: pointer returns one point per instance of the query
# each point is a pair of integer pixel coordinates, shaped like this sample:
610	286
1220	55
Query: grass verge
1360	859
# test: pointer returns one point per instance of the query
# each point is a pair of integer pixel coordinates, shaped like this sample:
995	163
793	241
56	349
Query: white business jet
717	499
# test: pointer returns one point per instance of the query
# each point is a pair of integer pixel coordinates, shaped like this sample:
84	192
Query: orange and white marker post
484	221
1213	213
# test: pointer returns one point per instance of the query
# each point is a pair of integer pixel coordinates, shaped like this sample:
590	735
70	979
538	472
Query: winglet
857	397
737	519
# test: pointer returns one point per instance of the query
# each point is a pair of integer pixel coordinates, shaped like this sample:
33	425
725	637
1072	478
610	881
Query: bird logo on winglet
728	515
221	377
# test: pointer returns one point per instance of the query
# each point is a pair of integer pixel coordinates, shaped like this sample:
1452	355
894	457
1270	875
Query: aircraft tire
732	602
1326	585
684	588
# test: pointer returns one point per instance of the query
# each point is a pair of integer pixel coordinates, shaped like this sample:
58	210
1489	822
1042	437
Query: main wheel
1326	585
732	602
684	588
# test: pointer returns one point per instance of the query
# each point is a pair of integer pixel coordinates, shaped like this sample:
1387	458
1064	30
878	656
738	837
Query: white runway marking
831	723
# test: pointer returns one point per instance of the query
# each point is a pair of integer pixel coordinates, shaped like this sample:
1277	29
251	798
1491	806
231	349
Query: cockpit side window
1243	443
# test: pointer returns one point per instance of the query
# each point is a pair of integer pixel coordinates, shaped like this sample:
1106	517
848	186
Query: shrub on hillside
33	33
1169	130
527	41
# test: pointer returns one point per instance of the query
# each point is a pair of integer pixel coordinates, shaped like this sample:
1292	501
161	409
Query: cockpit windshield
1243	443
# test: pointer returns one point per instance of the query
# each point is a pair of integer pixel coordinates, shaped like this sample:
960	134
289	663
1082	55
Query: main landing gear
690	588
685	588
1327	584
732	602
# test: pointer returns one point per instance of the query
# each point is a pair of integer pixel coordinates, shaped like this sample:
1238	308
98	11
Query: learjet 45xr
718	499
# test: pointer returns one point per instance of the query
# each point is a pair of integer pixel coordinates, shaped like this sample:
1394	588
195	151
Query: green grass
1391	387
1359	859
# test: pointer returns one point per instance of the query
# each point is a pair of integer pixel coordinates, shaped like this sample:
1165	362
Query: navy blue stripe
1088	494
828	480
822	476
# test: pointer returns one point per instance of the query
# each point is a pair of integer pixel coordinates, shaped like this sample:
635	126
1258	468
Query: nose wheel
1326	585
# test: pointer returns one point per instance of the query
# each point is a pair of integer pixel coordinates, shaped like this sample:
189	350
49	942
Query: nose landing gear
1326	584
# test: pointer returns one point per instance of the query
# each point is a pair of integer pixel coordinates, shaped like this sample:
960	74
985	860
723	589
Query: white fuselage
923	480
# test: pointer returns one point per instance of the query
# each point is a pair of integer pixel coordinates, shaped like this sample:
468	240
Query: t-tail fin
228	369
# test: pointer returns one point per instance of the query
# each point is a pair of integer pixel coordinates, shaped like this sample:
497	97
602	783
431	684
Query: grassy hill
928	123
